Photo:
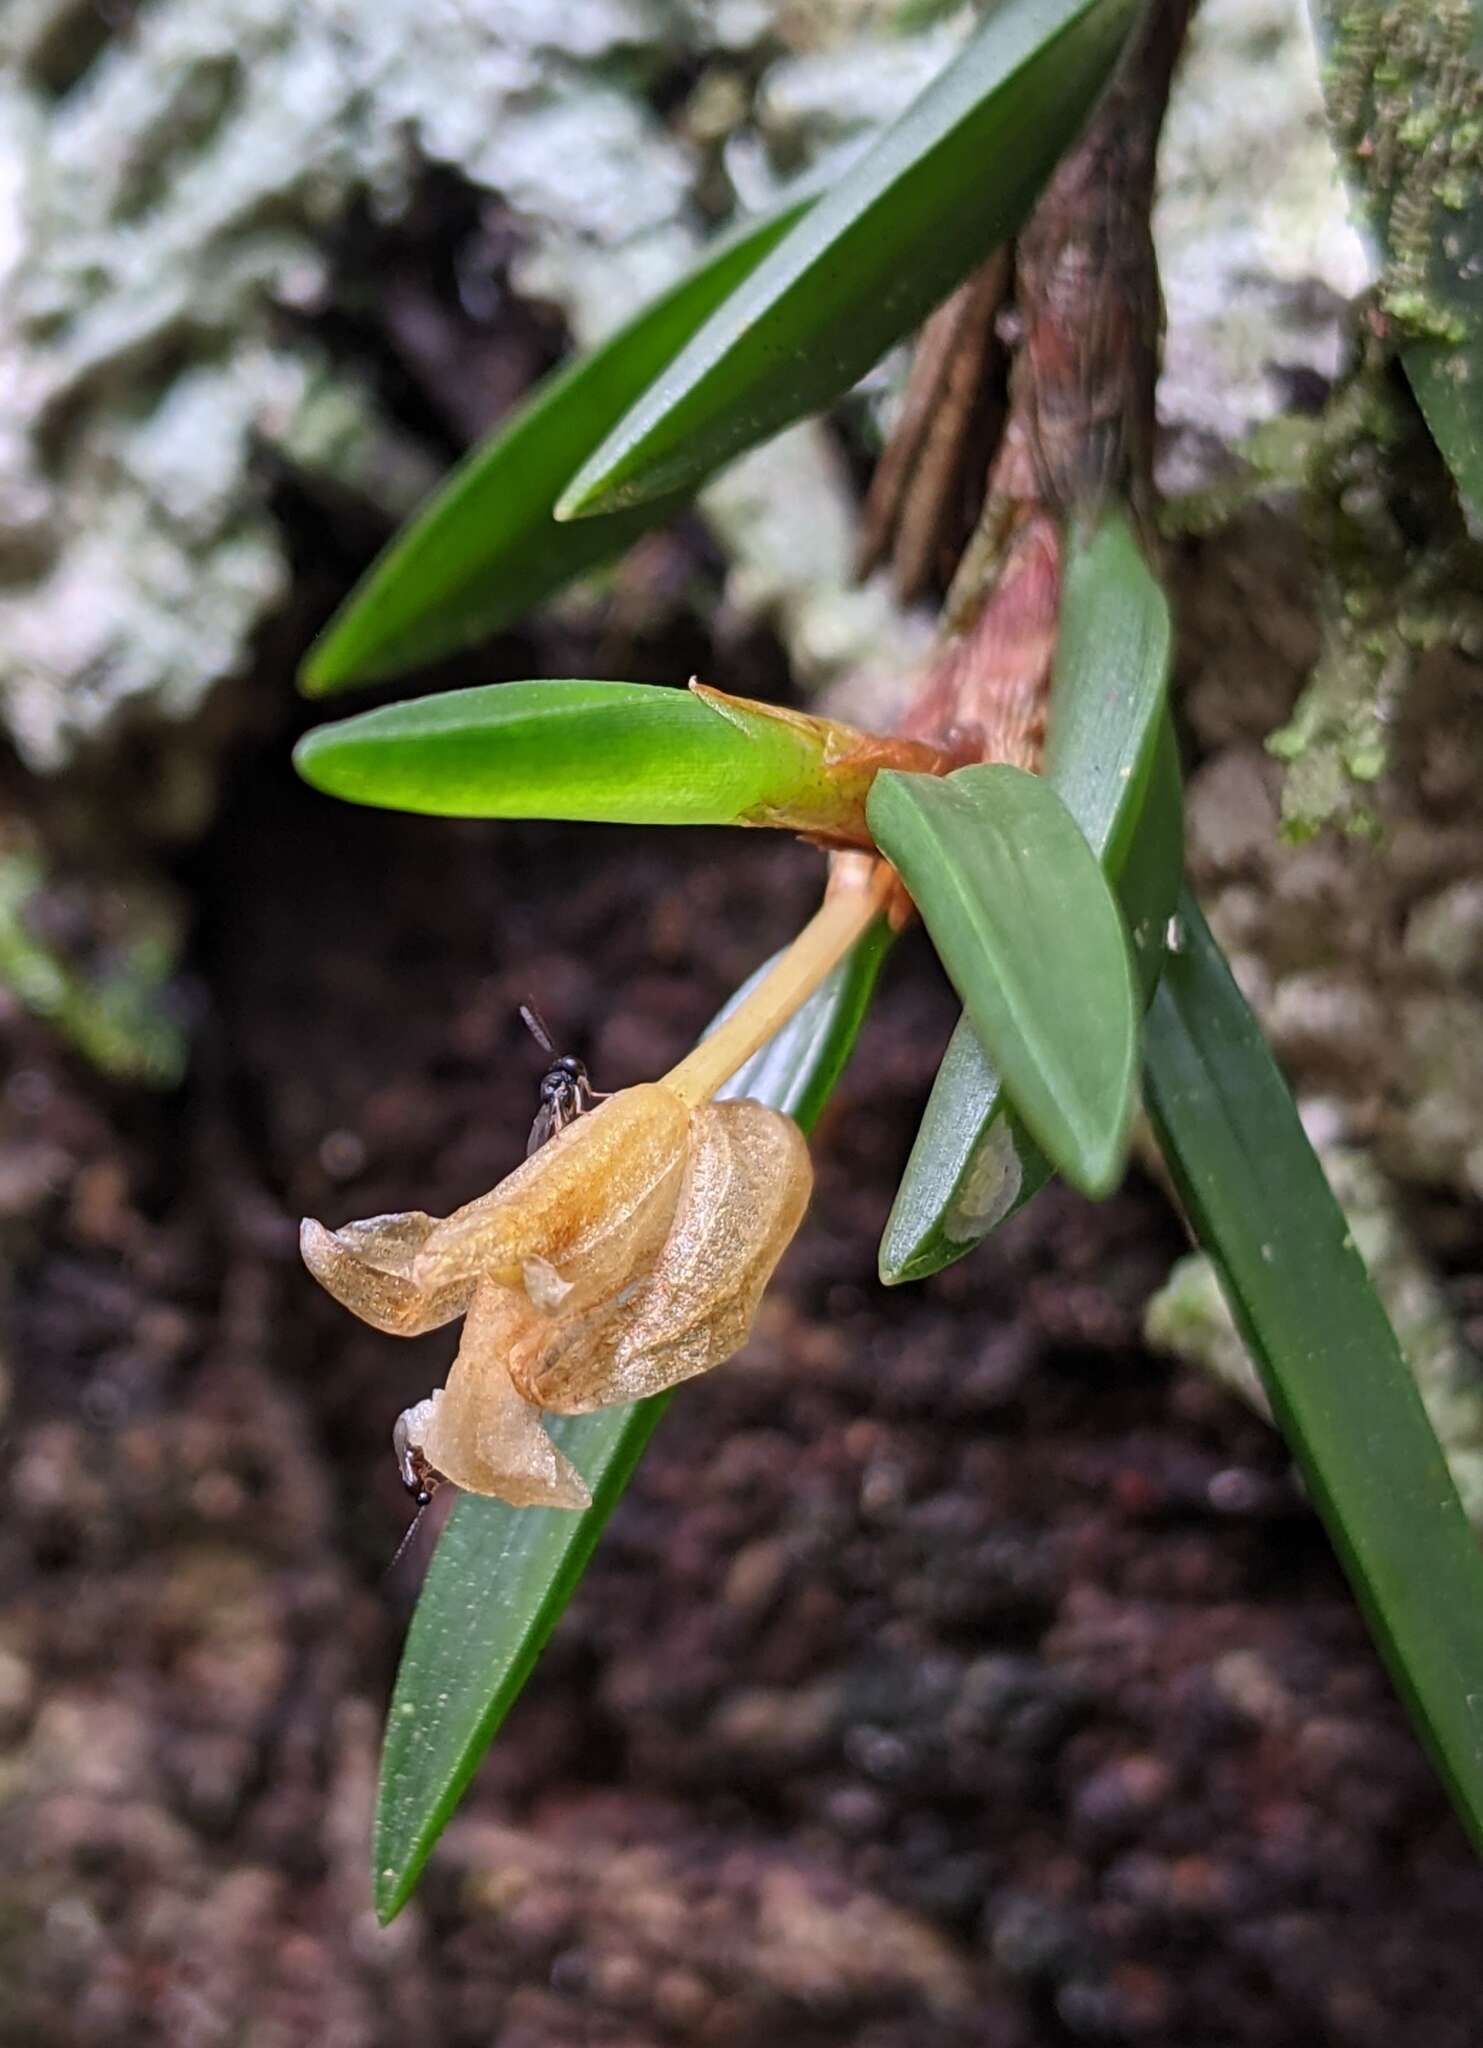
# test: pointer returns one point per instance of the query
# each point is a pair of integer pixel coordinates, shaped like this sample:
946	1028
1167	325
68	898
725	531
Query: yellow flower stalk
628	1253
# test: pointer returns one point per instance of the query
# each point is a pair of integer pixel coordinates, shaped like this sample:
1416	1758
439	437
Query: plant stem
860	889
1079	428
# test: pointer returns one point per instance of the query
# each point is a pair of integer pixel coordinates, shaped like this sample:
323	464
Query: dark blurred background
955	1669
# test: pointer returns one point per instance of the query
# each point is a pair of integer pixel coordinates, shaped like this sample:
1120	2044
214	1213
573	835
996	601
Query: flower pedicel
627	1253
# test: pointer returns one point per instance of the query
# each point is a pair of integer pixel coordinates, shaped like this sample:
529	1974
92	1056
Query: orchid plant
1028	811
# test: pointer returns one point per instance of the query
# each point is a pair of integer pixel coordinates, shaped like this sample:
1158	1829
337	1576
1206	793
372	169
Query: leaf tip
620	475
1097	1166
897	1268
319	673
584	498
340	655
311	757
398	1857
390	1890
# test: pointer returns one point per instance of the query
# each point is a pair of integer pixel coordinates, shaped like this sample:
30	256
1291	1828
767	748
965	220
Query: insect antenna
406	1543
535	1024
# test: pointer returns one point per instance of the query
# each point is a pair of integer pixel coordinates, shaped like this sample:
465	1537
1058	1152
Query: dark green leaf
955	176
494	1591
618	753
1339	1386
973	1165
1453	409
501	1576
1031	937
1113	646
485	549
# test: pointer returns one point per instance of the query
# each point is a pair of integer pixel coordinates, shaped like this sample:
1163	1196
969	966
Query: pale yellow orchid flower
628	1253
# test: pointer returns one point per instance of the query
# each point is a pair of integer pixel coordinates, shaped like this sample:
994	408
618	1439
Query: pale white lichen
169	194
1257	253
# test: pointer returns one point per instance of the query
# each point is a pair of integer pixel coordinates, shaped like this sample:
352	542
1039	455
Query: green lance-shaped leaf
501	1576
1028	929
1112	759
1404	91
974	1165
611	753
485	549
1338	1384
1114	643
955	176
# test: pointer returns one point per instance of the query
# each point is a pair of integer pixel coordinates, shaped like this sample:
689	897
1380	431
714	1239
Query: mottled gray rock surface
169	201
1257	253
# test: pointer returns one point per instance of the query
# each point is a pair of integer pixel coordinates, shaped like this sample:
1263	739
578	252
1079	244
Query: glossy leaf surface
619	753
956	175
484	549
1339	1387
973	1165
501	1576
1032	939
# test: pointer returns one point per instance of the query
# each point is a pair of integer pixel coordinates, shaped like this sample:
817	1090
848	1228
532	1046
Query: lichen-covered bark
1404	99
1362	954
1328	597
172	200
1257	255
1405	95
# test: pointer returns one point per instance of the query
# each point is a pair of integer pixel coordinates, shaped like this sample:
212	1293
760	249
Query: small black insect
418	1473
566	1092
